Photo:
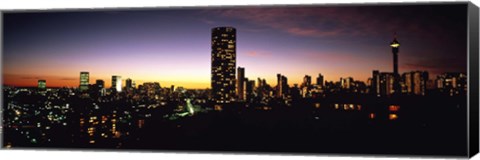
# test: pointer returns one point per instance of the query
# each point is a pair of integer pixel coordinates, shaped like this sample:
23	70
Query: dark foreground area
420	126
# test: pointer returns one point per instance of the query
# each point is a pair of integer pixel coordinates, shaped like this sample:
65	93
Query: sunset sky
172	46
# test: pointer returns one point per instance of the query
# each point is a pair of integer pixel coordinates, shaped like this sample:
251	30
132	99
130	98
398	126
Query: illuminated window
392	116
393	108
372	115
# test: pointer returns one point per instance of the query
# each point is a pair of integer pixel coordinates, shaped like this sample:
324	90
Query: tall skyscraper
223	64
249	90
42	84
241	84
84	79
128	84
395	46
375	83
279	86
282	86
320	80
117	83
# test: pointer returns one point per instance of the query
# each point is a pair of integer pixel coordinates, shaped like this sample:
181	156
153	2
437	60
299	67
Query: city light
282	83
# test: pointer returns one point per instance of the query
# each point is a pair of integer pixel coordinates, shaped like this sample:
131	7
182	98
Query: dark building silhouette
320	80
100	87
100	83
307	81
241	84
42	84
249	90
128	84
84	79
223	64
282	86
395	47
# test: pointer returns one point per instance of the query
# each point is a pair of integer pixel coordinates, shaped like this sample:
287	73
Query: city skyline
265	47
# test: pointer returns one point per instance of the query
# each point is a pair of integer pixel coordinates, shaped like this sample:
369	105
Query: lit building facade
415	82
84	79
382	83
452	83
223	80
117	83
42	84
346	83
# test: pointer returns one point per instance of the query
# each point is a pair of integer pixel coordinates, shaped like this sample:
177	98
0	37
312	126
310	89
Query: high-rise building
84	79
307	81
279	86
387	83
395	47
415	82
128	84
241	84
282	86
42	84
382	83
249	89
320	80
117	83
375	83
100	87
223	64
346	83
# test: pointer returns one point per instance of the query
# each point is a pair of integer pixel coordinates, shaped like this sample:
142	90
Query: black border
473	81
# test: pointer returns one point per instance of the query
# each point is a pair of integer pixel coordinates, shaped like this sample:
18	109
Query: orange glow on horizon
57	81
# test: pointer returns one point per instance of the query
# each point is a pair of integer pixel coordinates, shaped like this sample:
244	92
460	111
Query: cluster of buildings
226	89
229	84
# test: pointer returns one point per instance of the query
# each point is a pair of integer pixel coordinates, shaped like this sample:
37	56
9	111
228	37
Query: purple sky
172	46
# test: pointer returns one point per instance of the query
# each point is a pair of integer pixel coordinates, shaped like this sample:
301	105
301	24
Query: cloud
435	66
314	21
301	21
